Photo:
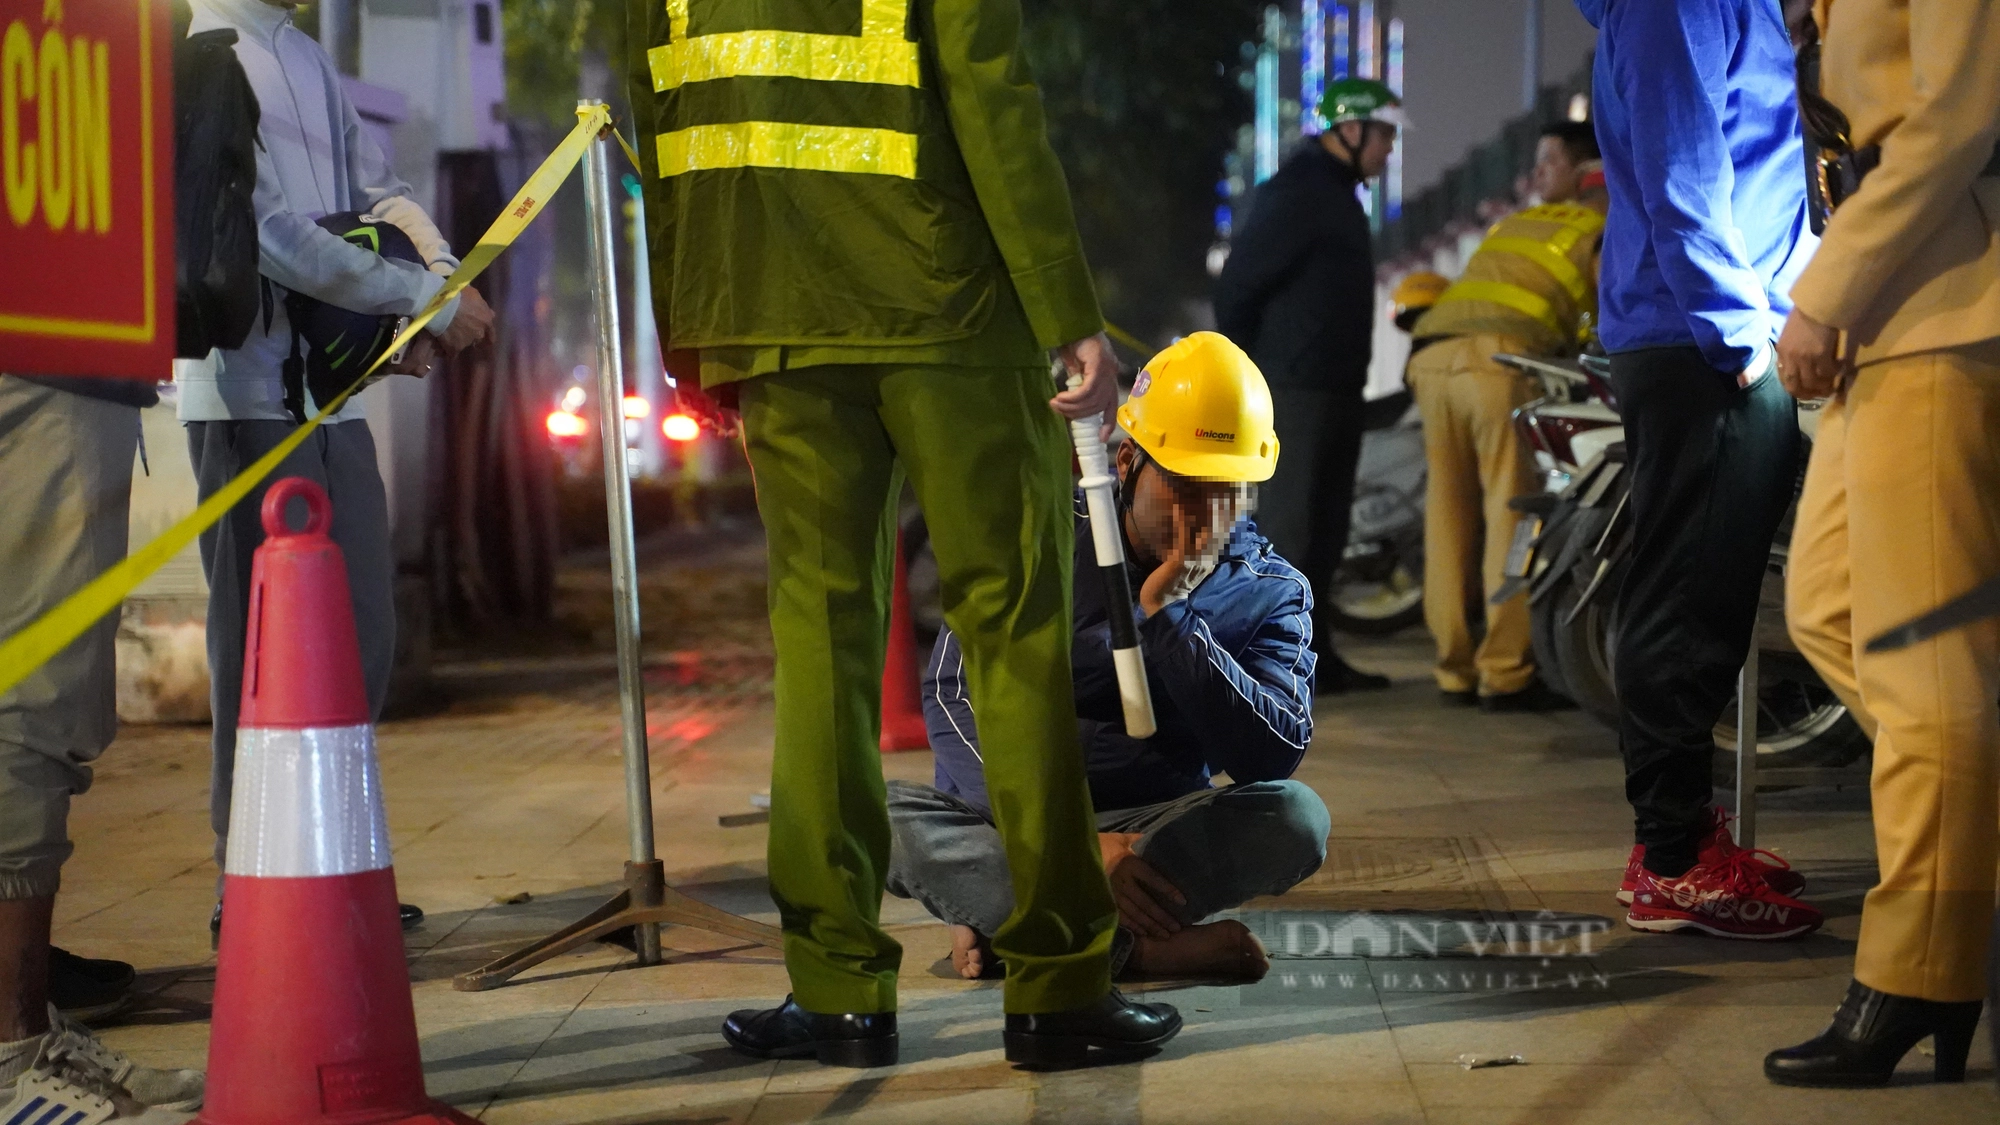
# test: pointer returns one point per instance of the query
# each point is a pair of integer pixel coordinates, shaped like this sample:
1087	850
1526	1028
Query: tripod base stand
645	902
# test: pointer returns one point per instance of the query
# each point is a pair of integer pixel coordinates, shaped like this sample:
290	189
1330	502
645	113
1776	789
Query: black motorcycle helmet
332	346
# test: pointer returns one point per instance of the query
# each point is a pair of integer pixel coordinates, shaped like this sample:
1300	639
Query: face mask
1225	508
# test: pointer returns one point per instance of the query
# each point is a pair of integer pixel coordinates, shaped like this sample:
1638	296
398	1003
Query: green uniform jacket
851	181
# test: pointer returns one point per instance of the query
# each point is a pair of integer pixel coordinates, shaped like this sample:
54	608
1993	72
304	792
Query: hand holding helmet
419	359
473	323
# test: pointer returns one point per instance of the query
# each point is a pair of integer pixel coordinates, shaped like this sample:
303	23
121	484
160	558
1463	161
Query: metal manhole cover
1354	863
1396	872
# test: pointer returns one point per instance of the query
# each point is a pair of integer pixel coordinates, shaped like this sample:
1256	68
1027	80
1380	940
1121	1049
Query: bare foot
1224	949
971	955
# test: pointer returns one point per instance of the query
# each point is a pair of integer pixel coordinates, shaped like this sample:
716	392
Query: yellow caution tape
33	646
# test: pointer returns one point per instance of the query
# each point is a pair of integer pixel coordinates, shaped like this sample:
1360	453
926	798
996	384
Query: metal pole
618	505
338	22
1746	752
1531	58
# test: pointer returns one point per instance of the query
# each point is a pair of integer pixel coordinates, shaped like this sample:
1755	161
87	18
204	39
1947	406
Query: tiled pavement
1444	817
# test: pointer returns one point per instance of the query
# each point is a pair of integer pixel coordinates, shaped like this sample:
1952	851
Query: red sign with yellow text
86	188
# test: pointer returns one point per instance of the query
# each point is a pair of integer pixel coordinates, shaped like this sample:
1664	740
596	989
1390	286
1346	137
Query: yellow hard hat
1418	290
1201	409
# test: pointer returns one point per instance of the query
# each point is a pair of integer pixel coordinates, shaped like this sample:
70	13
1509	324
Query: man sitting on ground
1227	635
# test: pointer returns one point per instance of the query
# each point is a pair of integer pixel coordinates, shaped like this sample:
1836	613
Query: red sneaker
1729	898
1634	865
1718	845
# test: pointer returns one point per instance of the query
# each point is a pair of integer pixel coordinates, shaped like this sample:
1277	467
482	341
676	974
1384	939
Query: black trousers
1712	468
1307	505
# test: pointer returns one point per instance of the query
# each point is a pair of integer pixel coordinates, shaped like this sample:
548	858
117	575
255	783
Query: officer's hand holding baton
1088	402
1096	392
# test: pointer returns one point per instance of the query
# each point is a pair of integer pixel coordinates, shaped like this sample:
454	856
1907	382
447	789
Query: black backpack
216	284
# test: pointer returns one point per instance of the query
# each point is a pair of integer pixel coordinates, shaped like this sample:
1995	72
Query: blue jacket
1697	114
1231	669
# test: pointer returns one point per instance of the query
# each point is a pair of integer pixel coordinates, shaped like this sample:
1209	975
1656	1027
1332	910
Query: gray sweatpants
340	458
1218	847
66	461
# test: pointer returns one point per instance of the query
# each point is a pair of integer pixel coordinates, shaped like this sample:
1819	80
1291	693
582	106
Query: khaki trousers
1477	464
1901	511
67	463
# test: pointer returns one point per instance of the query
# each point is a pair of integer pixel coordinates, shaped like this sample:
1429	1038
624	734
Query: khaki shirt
1911	262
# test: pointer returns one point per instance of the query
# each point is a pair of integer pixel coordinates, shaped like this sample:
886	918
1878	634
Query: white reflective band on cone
307	802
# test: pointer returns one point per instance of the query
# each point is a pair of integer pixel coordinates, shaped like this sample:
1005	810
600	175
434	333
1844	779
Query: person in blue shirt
1697	116
1226	632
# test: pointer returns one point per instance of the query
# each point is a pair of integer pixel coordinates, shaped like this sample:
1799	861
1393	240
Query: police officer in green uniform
861	236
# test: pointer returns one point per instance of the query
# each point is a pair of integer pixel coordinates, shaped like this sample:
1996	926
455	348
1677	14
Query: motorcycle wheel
1800	722
1378	606
1585	647
1542	617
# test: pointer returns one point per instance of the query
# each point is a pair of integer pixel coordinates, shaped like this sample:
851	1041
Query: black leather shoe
790	1032
1870	1034
88	988
1536	697
1121	1027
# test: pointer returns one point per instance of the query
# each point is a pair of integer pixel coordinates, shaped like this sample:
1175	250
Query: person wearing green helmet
1376	115
1298	293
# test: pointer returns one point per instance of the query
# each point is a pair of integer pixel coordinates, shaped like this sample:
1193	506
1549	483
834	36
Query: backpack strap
294	369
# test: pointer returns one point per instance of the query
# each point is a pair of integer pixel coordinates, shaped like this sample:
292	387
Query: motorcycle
1570	556
1378	589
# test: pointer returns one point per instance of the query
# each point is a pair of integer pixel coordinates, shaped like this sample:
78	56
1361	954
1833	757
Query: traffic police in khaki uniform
1526	291
1901	509
860	230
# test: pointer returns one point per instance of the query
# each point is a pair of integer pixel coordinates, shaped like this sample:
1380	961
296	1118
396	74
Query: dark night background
1144	97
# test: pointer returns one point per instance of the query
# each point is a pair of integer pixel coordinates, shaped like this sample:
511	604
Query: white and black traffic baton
1100	493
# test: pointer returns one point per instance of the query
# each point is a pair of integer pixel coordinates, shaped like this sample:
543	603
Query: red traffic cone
313	1020
902	707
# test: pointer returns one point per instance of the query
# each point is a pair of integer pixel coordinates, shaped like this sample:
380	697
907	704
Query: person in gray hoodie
313	159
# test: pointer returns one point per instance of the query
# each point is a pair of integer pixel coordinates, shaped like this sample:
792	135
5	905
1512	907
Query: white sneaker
61	1088
149	1086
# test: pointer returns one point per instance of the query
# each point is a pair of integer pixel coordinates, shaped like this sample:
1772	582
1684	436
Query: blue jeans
1219	847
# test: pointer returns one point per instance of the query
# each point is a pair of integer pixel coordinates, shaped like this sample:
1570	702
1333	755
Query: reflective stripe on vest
880	55
1532	305
782	144
1548	255
1551	255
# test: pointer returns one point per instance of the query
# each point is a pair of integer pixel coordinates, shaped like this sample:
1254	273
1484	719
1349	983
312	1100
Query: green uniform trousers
990	464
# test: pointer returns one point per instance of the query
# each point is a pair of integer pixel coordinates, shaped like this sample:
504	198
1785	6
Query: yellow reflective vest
835	176
1534	278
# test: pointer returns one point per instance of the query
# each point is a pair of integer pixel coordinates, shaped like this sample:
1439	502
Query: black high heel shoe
1870	1034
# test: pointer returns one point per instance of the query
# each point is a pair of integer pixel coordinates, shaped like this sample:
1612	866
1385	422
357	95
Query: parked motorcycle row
1570	555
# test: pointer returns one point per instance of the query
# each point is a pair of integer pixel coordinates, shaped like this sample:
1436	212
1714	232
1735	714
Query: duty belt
1841	173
